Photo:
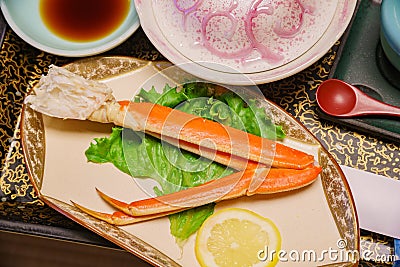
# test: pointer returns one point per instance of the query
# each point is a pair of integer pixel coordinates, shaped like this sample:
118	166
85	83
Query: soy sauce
83	20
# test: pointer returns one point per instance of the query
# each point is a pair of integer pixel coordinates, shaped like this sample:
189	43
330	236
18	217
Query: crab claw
118	217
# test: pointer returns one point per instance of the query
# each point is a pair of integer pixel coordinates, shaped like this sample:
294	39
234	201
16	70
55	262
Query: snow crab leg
228	187
192	132
65	95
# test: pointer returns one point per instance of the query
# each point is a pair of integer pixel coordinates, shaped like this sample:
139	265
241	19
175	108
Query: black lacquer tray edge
356	124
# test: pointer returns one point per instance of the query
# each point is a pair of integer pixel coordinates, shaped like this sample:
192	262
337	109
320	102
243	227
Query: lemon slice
237	237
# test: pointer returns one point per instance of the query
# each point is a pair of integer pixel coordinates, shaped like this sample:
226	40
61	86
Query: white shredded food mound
66	95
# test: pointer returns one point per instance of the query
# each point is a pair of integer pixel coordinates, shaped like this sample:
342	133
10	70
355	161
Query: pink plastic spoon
340	99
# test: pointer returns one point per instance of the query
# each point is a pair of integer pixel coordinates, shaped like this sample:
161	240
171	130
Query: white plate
314	218
24	18
275	46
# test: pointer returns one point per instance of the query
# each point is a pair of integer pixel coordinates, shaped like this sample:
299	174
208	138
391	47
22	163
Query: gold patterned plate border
332	182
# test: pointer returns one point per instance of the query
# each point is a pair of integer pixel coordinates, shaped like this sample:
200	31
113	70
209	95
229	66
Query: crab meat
65	95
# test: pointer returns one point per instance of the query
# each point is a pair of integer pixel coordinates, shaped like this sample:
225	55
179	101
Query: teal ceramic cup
390	31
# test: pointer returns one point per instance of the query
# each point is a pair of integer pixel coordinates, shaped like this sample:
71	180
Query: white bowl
24	18
265	40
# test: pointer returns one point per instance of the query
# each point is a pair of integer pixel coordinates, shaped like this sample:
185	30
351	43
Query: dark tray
363	63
